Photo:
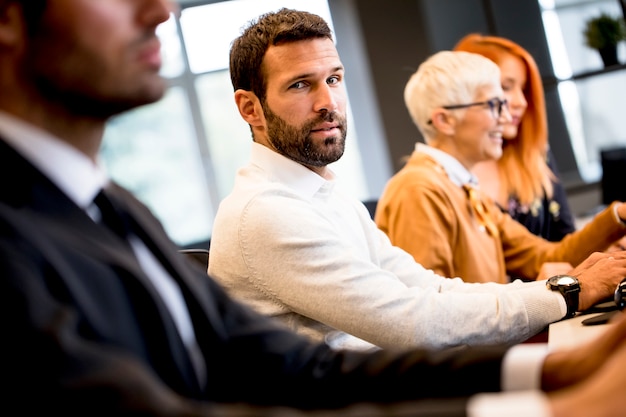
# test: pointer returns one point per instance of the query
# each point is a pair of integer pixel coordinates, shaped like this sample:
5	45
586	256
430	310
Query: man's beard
296	143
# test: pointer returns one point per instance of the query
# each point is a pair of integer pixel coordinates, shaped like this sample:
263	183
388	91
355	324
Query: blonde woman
434	207
524	181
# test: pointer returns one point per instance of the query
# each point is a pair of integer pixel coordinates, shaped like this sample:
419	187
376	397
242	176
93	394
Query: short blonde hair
444	79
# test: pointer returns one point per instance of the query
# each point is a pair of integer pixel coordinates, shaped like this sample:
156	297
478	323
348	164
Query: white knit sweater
292	245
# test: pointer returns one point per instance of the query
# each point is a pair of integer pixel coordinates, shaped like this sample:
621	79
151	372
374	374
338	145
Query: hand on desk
594	373
599	275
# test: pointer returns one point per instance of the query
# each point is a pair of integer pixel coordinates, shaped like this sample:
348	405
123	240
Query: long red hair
523	166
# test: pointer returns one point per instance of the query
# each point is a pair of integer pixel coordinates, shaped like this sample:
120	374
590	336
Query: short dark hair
274	28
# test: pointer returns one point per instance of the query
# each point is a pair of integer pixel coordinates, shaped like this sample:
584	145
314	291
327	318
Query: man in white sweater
289	242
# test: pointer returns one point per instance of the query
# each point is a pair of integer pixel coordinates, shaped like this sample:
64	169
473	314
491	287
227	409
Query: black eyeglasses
495	105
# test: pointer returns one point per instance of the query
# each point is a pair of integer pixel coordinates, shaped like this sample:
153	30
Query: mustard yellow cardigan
425	213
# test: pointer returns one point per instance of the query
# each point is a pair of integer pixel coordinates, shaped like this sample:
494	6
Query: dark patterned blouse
549	218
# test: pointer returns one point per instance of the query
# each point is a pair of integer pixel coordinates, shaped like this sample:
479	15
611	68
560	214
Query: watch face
565	280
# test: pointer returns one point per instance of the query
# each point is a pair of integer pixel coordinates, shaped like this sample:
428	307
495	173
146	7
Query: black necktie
110	216
119	222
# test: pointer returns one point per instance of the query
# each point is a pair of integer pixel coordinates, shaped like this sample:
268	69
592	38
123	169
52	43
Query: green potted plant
603	33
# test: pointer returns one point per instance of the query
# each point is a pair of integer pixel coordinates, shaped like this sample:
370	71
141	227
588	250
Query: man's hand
599	275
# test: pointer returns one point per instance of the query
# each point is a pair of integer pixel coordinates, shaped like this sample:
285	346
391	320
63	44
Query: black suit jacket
85	333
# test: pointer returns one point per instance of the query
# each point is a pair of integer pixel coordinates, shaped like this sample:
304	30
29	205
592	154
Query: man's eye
333	80
298	85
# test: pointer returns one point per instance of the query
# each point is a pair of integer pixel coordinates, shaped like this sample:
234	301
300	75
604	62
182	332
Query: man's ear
11	23
443	121
249	107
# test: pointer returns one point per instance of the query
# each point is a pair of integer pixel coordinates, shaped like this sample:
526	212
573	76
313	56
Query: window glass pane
153	151
228	136
564	22
208	30
591	104
171	49
601	117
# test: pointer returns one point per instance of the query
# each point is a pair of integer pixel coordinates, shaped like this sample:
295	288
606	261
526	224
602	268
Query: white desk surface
571	332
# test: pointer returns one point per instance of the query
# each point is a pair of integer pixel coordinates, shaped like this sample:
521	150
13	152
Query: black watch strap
569	287
571	299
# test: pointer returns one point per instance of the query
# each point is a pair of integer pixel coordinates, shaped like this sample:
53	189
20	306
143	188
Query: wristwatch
569	287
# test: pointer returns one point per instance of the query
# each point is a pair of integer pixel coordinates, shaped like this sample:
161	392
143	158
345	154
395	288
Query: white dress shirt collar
290	173
70	170
457	173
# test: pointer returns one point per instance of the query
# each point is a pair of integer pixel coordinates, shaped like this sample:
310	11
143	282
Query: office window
179	156
592	96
